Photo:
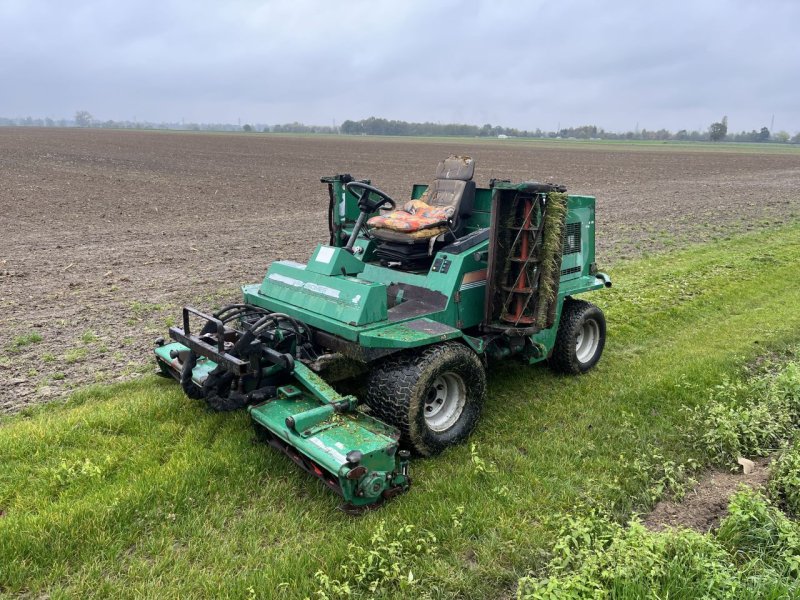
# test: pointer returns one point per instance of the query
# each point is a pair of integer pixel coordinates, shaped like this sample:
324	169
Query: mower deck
323	448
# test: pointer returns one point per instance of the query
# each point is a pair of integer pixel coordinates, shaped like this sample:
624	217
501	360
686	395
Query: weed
75	355
88	336
663	476
58	376
756	532
66	473
457	517
755	553
385	565
142	309
21	341
480	465
784	484
747	418
48	357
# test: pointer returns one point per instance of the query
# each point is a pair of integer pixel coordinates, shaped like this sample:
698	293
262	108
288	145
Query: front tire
433	397
580	339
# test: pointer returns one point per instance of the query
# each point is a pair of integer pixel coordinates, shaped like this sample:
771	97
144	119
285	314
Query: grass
134	490
753	554
570	143
75	355
141	309
21	341
88	336
597	144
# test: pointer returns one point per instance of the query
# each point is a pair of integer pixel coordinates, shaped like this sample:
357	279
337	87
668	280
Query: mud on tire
434	395
580	339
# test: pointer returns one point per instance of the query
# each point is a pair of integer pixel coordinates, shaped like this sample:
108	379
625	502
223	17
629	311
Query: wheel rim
587	340
444	401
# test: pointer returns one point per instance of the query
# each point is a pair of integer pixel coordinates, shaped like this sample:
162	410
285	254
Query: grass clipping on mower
552	246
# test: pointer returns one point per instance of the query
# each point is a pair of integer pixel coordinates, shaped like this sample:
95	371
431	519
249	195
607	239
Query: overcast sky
673	64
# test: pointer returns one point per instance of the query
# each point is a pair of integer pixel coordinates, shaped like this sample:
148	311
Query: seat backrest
453	186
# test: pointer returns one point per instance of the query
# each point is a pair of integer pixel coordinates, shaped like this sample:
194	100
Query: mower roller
378	347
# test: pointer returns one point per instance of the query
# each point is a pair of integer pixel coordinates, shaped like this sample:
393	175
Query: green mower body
308	331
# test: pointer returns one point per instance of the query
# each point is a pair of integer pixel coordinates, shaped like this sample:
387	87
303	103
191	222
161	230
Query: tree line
717	131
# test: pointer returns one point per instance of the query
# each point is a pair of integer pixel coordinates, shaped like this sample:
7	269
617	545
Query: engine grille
572	238
570	271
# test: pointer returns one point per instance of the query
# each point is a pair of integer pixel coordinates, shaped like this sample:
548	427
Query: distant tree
351	127
83	118
796	139
718	131
782	137
763	135
247	127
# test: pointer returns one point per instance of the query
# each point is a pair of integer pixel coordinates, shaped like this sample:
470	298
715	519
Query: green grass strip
136	491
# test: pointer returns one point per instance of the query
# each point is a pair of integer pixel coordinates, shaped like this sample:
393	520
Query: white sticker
321	289
287	280
327	449
324	255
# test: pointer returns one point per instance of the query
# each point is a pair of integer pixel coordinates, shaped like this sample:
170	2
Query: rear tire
580	339
434	396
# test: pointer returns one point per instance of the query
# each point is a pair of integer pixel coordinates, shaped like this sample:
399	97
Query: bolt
354	457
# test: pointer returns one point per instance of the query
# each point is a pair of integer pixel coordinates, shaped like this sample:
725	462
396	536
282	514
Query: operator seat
408	235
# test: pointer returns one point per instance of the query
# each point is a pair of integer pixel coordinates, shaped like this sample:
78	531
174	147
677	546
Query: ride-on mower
378	347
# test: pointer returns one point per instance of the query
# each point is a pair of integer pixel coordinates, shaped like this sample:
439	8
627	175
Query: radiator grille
572	238
570	271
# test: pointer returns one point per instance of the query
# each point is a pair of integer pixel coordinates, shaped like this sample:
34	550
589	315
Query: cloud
524	64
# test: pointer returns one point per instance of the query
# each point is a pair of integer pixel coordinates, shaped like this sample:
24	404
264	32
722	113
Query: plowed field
105	234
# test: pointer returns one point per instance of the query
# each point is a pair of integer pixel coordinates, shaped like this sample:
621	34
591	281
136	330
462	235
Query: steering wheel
364	203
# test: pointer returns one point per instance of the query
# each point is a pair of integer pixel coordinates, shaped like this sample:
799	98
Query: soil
106	234
706	505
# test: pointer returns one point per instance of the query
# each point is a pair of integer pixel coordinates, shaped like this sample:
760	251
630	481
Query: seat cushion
402	237
415	215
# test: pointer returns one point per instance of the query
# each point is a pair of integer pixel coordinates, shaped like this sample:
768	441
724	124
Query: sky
538	64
